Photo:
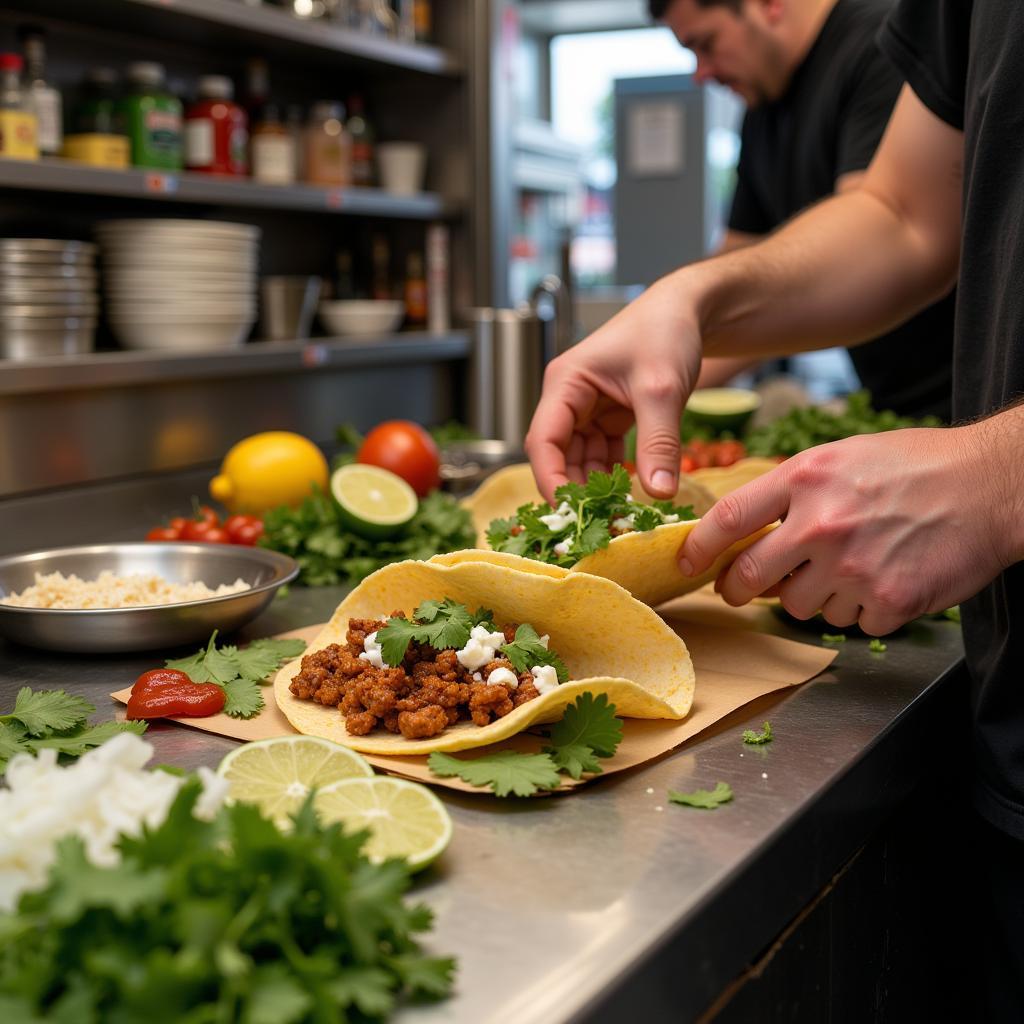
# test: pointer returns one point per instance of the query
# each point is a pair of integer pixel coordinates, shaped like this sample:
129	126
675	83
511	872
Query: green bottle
152	119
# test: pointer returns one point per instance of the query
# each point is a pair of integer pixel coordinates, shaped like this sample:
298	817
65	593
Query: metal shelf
128	369
234	24
66	176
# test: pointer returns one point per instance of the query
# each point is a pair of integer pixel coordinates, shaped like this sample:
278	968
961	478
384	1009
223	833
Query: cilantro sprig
229	919
586	732
529	651
55	720
706	799
764	736
594	507
238	671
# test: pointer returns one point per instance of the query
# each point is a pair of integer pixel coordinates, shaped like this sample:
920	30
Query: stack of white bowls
48	297
180	284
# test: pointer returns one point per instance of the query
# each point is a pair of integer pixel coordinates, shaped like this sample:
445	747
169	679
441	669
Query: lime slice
404	819
278	774
374	502
723	408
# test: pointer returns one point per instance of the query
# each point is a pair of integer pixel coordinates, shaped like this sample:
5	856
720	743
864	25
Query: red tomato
163	533
729	452
247	533
178	523
687	463
629	466
406	449
207	515
216	535
201	530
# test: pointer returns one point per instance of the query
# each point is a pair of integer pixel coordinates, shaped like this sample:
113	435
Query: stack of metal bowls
48	297
179	284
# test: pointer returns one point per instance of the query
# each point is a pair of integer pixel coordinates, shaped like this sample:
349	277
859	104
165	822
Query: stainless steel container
288	307
46	251
42	338
465	464
518	372
480	404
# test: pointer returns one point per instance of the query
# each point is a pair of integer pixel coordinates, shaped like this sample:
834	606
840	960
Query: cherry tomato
215	535
728	452
406	449
629	466
205	532
163	533
687	463
244	529
207	515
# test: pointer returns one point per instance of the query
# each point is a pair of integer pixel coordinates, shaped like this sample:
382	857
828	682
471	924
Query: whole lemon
267	470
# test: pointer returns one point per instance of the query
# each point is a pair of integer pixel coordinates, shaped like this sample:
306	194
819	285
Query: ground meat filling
420	698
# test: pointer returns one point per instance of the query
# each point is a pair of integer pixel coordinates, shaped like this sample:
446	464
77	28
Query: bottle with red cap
216	130
19	128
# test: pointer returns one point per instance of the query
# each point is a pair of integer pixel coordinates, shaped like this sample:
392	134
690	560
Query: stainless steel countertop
555	907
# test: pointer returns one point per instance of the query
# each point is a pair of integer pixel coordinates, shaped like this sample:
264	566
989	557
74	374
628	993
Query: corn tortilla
722	480
610	642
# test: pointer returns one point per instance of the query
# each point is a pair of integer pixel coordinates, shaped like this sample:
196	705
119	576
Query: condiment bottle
380	258
273	148
415	291
438	312
18	123
361	132
328	146
216	130
42	97
97	136
152	119
344	280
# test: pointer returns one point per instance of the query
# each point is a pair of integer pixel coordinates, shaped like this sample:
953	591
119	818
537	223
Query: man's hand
876	530
643	362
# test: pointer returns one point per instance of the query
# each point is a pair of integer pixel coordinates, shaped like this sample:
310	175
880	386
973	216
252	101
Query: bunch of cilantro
448	624
222	920
329	553
597	504
806	428
54	720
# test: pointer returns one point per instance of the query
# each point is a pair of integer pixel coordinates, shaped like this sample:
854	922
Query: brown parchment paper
735	664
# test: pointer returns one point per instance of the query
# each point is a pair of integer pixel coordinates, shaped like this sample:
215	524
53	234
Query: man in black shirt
876	529
819	94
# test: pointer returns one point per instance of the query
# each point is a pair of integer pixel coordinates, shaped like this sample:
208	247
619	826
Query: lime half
277	774
374	502
404	819
723	408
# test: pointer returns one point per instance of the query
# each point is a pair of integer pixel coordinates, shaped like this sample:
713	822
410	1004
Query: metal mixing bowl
113	630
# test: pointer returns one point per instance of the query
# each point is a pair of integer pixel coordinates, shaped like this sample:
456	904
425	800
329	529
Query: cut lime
404	819
723	408
374	502
277	774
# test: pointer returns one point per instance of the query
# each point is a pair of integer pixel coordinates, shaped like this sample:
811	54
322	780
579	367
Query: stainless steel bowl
40	339
80	276
114	630
465	464
47	249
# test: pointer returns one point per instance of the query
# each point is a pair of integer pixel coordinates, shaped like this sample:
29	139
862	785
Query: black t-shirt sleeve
747	213
928	41
866	112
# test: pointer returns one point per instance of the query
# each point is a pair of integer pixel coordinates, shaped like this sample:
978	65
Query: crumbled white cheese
674	518
545	639
561	548
764	775
371	651
629	497
481	648
504	676
104	794
478	677
545	678
650	789
625	522
560	518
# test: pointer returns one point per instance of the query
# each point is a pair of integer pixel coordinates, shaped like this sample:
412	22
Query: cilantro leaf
448	626
707	799
394	638
764	736
953	614
424	975
587	731
505	771
527	651
834	638
12	736
607	485
276	997
44	711
77	741
243	698
483	617
366	988
593	537
877	646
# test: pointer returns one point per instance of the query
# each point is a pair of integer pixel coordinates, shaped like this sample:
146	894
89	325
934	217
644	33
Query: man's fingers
841	610
558	412
658	407
733	517
595	451
807	590
757	569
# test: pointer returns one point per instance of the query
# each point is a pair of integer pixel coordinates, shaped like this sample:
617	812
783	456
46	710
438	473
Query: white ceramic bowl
144	226
367	318
200	334
180	279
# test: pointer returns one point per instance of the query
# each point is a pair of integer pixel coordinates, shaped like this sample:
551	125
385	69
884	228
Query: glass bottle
380	258
328	146
415	291
216	130
18	122
152	118
272	148
362	135
344	280
96	113
43	98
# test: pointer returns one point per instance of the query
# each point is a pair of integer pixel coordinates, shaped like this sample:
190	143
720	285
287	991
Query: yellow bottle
19	128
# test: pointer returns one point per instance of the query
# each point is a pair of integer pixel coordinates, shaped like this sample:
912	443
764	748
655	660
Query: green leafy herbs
877	646
805	428
584	520
328	553
587	731
239	671
953	614
834	638
764	736
707	799
230	919
448	625
53	719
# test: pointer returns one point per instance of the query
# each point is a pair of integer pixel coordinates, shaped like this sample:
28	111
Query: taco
600	528
553	634
721	480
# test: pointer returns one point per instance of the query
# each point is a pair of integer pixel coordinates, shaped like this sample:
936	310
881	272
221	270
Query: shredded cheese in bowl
54	590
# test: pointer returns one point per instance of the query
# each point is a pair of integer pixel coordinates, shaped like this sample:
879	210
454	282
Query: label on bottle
199	142
163	132
50	127
273	159
18	137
